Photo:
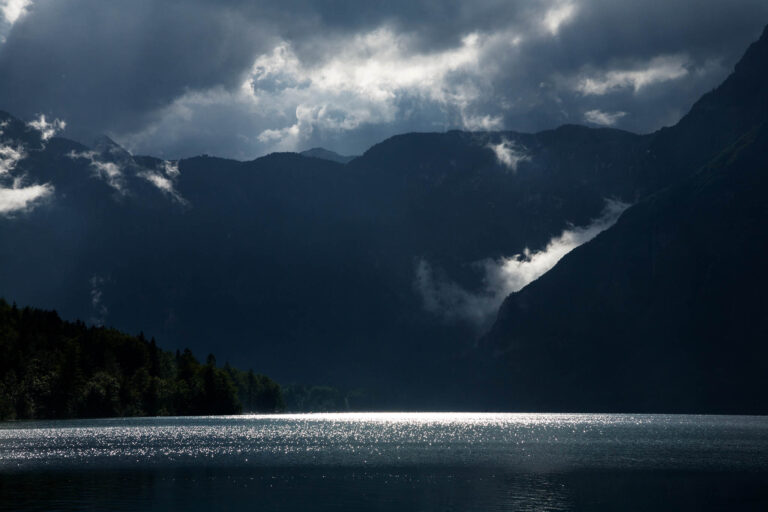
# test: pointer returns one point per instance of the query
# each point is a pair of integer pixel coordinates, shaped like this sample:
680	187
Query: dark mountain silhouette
307	268
665	311
325	154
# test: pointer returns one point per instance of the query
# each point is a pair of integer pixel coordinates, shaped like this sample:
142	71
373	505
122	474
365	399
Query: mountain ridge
298	255
647	305
311	267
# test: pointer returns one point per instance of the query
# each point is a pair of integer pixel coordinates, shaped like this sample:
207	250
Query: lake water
387	461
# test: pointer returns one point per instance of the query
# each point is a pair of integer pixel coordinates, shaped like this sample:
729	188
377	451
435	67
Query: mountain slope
665	311
308	266
715	122
325	154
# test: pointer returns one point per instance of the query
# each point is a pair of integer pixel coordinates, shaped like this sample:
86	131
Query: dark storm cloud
240	78
604	35
110	64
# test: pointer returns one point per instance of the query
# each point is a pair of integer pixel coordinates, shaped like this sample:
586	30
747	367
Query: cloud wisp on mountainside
113	165
16	194
165	180
109	162
110	172
504	276
22	198
509	154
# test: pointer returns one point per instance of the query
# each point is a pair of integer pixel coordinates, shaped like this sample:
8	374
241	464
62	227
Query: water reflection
387	462
396	489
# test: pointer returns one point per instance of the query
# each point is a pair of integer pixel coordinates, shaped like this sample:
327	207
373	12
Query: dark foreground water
403	462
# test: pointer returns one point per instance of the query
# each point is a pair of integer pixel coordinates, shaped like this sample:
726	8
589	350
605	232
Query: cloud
171	169
373	78
17	199
658	70
110	172
9	157
481	122
165	180
557	15
15	195
363	83
47	129
504	276
603	118
12	10
240	79
114	165
509	154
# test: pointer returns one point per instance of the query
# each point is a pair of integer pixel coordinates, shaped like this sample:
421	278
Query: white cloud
110	172
482	122
15	197
505	275
558	15
47	129
373	78
14	9
165	182
115	173
603	118
374	71
379	63
360	84
658	70
509	154
171	169
19	199
9	157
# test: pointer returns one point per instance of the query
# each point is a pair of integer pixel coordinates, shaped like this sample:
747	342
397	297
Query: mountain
383	272
325	154
666	310
305	268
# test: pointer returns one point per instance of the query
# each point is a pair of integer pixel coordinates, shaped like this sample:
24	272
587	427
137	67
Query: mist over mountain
383	271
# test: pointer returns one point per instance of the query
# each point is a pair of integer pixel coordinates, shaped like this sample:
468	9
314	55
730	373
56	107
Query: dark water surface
388	461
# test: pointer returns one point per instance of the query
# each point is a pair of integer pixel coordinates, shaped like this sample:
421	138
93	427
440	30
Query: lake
387	461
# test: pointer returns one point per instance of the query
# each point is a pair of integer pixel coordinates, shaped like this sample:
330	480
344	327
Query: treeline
50	368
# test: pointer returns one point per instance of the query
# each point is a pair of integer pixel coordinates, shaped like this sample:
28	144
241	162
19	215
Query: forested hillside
51	368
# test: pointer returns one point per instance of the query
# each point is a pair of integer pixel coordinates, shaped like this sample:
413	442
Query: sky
240	79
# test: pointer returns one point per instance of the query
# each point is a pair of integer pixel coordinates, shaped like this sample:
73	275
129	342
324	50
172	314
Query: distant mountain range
325	154
300	267
385	269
